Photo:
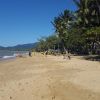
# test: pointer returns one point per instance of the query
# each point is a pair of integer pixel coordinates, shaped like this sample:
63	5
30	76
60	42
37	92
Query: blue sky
25	21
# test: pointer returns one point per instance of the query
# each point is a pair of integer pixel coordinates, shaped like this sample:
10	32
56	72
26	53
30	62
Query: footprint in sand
90	96
19	84
22	89
53	97
42	97
26	82
10	97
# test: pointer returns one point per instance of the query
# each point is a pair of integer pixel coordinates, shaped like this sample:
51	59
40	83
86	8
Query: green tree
88	20
62	25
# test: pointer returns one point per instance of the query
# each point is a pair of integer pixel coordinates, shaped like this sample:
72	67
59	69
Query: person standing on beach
69	56
46	53
30	53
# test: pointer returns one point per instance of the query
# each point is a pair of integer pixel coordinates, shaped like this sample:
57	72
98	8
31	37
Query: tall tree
82	12
88	12
62	25
88	15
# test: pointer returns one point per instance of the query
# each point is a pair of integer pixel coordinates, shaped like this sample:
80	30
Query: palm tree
82	12
88	12
62	25
94	8
88	15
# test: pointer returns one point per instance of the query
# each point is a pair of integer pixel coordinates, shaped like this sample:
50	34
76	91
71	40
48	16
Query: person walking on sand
46	53
66	55
69	55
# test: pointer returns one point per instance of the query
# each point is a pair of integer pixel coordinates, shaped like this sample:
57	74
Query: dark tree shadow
92	57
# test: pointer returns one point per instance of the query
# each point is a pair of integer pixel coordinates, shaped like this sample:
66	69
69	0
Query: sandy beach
49	78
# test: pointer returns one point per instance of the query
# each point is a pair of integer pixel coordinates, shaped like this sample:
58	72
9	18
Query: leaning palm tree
62	25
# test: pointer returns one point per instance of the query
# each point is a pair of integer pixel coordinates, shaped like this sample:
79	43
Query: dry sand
49	78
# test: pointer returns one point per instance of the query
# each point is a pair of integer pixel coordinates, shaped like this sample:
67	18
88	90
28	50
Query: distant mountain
20	47
1	47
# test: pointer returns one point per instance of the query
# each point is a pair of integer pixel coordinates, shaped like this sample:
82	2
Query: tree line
76	31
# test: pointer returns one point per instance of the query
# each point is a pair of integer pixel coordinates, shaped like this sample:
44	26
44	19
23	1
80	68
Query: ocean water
5	54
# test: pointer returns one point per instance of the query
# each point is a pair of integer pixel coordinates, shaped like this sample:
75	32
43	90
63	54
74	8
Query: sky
26	21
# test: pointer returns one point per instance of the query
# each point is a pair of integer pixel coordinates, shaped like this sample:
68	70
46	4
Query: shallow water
5	54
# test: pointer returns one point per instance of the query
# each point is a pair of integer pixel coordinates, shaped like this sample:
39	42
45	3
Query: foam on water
11	54
6	57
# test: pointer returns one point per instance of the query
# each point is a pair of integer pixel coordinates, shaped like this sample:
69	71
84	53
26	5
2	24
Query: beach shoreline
49	78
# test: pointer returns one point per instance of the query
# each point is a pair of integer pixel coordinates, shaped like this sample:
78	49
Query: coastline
13	56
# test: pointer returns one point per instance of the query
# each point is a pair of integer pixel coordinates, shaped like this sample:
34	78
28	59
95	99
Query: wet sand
49	78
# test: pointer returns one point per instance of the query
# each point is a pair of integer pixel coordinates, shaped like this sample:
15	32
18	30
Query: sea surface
5	54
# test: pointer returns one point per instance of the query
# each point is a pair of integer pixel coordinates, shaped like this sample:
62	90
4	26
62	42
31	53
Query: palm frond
77	3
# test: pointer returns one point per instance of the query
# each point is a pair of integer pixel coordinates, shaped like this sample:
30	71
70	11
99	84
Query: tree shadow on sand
92	57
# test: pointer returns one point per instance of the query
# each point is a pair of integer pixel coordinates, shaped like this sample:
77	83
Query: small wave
6	57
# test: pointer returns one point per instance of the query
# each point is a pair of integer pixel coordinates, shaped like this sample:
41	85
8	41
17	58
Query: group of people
67	55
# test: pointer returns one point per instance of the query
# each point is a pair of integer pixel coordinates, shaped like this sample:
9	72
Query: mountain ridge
20	47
